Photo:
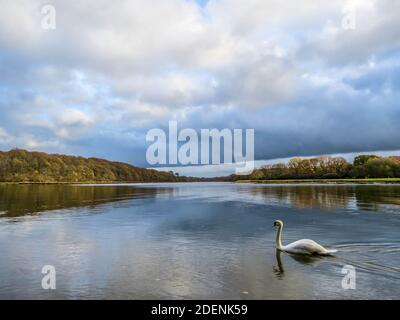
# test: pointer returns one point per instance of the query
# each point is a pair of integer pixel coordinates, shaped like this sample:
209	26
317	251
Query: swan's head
278	223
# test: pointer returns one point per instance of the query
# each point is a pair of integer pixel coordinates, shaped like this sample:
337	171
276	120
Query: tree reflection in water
364	197
28	199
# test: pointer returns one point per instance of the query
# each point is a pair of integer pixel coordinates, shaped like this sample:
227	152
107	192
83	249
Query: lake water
197	241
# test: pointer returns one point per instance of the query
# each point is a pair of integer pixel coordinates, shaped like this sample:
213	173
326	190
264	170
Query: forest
23	166
363	166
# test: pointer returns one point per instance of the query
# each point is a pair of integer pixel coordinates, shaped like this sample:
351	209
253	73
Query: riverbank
287	181
325	181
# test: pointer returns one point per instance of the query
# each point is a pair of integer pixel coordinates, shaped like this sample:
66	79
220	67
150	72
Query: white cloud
376	29
73	117
164	53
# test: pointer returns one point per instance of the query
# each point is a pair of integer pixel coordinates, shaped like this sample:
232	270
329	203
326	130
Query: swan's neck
279	238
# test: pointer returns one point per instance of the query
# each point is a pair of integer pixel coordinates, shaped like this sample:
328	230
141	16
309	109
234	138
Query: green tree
363	159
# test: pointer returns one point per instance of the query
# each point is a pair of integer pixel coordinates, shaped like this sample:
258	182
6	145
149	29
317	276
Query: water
197	241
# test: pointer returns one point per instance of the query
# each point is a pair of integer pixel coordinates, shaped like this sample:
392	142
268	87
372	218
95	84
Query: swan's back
306	246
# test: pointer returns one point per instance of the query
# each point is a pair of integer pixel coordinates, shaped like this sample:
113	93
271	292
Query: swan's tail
330	251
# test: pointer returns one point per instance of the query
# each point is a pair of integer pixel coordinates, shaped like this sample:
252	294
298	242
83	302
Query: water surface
197	241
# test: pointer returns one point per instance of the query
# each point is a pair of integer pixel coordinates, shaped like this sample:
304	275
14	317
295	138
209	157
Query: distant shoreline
287	181
324	181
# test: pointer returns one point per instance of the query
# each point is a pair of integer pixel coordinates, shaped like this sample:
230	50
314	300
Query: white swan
304	246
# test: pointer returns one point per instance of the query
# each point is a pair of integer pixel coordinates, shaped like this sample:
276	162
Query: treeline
23	166
364	166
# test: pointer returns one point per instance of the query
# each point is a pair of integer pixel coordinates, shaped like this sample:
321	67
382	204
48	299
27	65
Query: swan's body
304	246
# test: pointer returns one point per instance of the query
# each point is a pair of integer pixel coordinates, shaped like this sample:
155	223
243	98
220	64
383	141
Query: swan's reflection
278	269
313	261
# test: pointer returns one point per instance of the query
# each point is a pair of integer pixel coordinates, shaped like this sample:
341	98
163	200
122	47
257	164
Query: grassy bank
327	181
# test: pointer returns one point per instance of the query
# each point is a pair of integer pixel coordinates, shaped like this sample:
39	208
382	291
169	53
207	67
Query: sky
309	78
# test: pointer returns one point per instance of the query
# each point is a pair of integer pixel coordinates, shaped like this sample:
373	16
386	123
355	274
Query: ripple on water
366	251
